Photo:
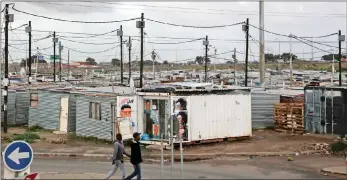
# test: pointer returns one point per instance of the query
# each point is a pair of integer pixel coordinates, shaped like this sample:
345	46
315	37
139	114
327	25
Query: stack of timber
289	117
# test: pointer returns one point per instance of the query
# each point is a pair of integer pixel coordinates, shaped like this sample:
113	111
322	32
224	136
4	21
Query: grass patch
338	147
73	136
28	137
37	128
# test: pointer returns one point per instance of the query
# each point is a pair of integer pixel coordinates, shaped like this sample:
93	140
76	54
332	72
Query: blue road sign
18	155
41	58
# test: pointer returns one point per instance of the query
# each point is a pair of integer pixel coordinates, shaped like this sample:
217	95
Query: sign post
17	158
56	57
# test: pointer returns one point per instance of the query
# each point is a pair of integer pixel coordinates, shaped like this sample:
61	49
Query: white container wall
127	109
219	116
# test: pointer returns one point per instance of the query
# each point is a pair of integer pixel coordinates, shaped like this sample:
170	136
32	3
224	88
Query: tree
201	60
165	62
33	60
91	61
270	57
286	57
115	62
329	57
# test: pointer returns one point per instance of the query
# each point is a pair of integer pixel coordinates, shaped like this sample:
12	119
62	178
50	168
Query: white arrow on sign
15	156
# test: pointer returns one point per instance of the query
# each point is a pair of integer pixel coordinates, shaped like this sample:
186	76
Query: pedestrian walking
118	158
136	158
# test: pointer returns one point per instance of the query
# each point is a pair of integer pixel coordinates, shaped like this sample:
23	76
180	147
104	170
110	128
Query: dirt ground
268	141
261	141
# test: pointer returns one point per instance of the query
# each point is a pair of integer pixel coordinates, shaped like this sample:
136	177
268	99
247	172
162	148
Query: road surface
237	168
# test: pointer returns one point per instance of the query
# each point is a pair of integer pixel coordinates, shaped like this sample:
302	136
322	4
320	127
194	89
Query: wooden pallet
289	117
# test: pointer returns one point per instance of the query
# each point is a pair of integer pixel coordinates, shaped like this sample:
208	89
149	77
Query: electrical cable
295	37
150	42
288	35
18	27
163	37
105	43
91	52
95	35
321	43
73	21
189	26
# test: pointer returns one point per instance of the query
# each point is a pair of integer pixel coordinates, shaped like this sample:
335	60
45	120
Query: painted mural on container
180	117
152	119
126	112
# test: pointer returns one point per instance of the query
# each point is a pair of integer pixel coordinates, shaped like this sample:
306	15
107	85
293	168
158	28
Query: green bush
338	147
28	137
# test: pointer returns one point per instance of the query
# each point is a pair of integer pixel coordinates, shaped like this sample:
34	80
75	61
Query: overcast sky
298	18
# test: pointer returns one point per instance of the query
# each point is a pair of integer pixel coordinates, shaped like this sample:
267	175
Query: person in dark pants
135	157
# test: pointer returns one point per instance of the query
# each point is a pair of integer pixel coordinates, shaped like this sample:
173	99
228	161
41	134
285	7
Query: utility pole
261	41
28	30
291	61
341	38
60	49
141	25
129	48
37	61
8	19
54	42
312	54
246	29
206	42
1	72
234	57
153	59
68	64
120	34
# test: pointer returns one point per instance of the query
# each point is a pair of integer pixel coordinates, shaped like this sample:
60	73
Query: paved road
241	168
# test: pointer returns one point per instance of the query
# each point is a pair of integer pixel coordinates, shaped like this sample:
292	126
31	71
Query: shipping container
197	113
326	110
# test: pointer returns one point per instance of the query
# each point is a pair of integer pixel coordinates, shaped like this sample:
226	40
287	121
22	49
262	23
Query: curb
187	157
333	172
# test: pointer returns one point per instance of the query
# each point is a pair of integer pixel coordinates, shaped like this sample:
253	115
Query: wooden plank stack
289	117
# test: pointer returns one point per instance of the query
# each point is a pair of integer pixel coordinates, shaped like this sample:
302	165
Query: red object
31	176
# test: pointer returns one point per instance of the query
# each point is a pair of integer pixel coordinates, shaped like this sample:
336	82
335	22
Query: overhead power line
182	42
95	35
190	26
91	52
295	37
278	34
73	21
104	43
225	11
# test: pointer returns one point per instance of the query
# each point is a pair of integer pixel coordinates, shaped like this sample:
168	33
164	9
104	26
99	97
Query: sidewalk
340	170
58	175
154	157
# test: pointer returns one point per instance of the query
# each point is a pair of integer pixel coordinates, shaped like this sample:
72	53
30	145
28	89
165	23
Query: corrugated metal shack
96	111
263	101
326	110
17	107
53	108
199	112
262	109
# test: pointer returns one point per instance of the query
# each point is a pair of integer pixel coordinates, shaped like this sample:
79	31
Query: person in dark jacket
135	157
